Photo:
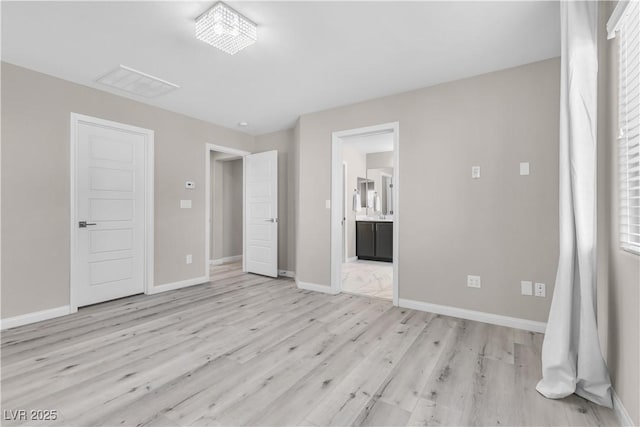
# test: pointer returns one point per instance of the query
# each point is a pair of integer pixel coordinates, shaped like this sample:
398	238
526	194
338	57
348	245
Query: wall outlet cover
473	281
185	204
524	168
475	172
327	204
540	290
189	259
526	287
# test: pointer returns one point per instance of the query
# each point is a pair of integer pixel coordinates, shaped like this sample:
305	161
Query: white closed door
261	192
110	213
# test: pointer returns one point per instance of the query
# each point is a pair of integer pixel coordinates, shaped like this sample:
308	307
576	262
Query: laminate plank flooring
251	350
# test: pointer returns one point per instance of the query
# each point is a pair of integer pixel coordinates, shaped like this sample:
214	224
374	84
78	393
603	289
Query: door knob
272	220
84	224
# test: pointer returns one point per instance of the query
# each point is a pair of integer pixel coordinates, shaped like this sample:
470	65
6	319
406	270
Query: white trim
336	215
208	148
225	260
478	316
345	225
150	214
178	285
316	288
352	259
244	214
287	273
615	19
227	150
37	316
396	213
149	182
621	411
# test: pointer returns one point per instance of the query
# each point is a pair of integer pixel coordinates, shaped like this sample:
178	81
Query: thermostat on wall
190	185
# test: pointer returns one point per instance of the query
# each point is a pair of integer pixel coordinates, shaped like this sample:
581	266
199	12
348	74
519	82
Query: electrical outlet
475	172
541	290
189	259
473	281
526	287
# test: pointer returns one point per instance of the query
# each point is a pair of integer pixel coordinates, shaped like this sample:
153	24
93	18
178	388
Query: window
625	25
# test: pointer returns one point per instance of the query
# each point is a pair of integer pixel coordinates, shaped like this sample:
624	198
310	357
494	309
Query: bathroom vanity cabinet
374	240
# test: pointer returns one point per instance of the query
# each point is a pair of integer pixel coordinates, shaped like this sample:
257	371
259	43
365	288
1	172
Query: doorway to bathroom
364	213
224	206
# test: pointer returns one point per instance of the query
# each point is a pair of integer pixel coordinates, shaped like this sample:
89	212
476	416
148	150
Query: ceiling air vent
136	82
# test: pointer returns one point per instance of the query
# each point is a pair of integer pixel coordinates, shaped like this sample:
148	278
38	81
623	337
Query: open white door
261	217
111	170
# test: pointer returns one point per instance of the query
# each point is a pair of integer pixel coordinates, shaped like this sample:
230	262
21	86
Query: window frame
626	182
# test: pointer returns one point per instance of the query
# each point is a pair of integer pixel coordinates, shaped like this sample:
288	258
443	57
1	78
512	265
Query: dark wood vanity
374	240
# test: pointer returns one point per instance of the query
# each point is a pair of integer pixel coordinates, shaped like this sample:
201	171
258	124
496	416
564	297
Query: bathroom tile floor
370	278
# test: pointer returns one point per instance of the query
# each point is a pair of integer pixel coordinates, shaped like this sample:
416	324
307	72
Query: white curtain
571	357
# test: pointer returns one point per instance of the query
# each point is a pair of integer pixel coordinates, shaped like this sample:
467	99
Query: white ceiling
309	56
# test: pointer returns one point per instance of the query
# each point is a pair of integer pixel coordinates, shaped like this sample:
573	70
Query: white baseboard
479	316
286	273
225	260
38	316
621	411
315	287
352	259
178	285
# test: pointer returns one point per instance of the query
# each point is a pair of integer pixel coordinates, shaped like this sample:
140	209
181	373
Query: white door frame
207	207
336	194
76	119
345	200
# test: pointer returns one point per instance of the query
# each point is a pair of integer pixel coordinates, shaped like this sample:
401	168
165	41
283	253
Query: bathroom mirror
366	189
379	200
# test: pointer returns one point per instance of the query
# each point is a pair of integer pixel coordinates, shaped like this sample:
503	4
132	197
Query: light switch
327	204
185	204
475	172
524	168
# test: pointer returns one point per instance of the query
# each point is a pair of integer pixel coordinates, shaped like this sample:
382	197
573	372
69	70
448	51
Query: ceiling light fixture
226	29
243	124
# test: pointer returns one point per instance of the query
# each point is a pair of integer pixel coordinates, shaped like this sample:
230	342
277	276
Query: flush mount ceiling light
243	124
136	82
226	29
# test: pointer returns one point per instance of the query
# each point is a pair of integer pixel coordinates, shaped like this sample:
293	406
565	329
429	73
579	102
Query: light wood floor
250	350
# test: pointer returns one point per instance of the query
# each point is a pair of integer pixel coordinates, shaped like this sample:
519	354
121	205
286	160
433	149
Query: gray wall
232	208
618	271
283	141
35	184
502	227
